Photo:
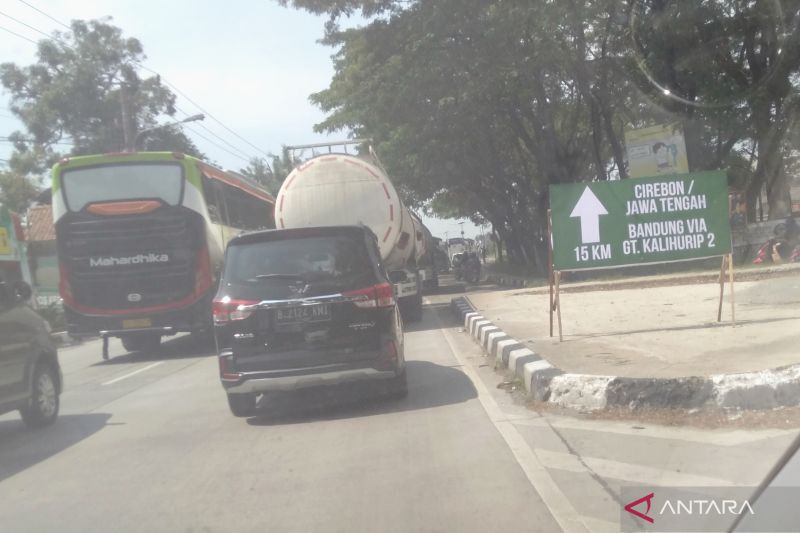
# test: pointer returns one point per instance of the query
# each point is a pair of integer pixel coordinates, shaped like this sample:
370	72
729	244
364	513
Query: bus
140	239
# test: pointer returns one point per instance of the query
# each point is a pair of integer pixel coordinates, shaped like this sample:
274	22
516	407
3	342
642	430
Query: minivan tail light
381	295
384	295
227	310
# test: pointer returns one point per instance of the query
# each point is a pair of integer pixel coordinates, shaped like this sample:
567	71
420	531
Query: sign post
640	221
550	266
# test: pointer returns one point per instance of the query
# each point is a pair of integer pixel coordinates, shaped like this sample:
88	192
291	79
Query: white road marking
609	469
556	501
723	438
129	374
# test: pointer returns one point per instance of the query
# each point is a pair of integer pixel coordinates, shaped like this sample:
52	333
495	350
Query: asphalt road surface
145	442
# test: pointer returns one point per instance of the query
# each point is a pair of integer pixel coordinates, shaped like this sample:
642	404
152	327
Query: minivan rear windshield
325	263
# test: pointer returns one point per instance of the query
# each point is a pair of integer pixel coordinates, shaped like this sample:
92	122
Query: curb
506	280
767	389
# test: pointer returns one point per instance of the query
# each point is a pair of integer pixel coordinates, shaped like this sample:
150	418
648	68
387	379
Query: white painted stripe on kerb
530	368
490	339
516	354
471	322
467	318
476	327
556	501
129	374
498	351
485	334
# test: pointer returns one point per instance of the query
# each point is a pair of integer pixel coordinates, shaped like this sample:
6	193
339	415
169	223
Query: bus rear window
108	183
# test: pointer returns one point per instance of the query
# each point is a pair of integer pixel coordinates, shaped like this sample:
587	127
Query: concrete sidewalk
657	332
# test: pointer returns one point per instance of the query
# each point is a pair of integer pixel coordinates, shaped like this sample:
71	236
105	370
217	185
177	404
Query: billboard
659	150
8	243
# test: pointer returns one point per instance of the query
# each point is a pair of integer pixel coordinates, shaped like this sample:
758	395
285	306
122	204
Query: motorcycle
782	247
467	268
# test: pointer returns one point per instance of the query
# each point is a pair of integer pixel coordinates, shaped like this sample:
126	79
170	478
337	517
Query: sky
252	67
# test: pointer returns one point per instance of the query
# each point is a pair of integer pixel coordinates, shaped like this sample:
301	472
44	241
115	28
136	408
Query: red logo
634	512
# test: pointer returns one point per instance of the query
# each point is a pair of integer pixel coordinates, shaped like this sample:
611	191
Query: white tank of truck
342	189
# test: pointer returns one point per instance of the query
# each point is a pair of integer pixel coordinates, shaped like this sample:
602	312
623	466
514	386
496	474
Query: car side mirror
22	291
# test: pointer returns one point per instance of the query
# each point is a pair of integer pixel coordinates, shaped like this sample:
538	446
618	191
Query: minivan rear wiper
279	276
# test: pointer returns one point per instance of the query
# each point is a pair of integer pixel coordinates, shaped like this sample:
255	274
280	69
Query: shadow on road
428	322
454	288
183	347
21	448
429	385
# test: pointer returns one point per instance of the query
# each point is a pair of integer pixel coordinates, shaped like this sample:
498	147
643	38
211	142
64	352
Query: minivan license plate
306	313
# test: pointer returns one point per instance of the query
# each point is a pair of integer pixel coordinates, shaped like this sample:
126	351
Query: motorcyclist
783	246
472	267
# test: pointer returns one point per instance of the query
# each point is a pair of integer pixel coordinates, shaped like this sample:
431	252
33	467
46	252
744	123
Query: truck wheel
203	338
413	308
242	405
142	342
42	408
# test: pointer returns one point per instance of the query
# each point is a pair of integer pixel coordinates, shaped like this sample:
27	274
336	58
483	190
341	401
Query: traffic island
603	368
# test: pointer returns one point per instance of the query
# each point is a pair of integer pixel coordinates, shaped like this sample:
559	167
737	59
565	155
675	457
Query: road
145	442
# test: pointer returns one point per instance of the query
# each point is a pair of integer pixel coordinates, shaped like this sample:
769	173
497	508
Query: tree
86	89
16	191
477	107
270	175
731	69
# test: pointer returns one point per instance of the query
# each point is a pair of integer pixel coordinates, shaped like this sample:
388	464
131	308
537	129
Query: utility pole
192	118
127	136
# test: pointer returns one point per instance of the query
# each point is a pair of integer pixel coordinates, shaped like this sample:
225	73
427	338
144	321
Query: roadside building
42	254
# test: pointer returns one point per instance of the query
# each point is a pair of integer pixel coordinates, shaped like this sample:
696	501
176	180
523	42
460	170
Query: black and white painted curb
544	382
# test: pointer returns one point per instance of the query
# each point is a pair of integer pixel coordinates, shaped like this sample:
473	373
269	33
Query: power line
198	106
167	82
24	24
18	35
49	144
45	14
217	136
215	144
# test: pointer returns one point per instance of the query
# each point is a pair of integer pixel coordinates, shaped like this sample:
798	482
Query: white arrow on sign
589	210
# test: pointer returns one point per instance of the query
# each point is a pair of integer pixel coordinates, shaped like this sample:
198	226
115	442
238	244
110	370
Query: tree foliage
16	191
86	89
270	175
478	106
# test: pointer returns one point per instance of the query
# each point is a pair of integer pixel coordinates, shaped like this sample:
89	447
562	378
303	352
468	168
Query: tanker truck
342	189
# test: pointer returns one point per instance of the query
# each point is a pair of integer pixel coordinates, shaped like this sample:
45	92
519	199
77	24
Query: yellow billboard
5	242
657	150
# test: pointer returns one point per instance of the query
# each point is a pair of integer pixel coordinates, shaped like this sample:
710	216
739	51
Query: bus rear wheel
141	342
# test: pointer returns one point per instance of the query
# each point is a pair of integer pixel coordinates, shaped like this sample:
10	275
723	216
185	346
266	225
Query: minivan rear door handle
298	302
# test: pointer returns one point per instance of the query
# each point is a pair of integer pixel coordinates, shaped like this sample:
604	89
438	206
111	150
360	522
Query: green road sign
640	221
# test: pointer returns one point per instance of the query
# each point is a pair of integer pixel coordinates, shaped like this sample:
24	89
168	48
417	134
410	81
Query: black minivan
30	376
305	307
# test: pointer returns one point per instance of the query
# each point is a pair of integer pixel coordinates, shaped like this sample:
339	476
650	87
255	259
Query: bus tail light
203	280
64	286
227	310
